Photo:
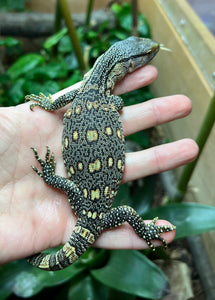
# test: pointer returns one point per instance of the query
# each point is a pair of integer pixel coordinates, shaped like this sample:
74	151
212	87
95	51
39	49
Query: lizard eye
149	51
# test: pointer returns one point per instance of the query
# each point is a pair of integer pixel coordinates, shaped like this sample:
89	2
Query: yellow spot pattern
72	171
89	105
70	251
85	233
66	142
78	109
95	194
95	166
92	135
80	166
105	107
68	113
94	215
45	262
75	135
118	133
101	215
96	104
85	193
108	131
109	193
110	162
89	214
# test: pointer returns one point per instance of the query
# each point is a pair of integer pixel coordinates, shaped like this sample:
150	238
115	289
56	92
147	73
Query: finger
124	237
154	112
139	78
159	159
135	80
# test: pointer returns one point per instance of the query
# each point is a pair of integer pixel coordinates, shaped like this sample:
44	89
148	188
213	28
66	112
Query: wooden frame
187	70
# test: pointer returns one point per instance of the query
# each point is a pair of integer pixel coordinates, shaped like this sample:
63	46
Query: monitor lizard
93	148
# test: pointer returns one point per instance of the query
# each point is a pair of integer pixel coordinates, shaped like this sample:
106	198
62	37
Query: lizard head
126	56
136	52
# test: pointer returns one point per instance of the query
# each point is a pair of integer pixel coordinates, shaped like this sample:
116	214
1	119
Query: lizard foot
41	101
152	232
48	166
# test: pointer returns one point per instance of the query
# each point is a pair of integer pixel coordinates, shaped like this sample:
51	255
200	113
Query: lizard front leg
148	232
48	104
49	176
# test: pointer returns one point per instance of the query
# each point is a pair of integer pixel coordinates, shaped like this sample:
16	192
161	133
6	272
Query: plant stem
72	32
89	11
57	25
134	17
58	18
201	140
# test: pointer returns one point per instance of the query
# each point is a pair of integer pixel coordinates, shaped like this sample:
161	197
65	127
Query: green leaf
8	5
48	87
31	282
9	42
24	64
143	196
88	288
71	61
119	34
52	70
94	258
189	218
4	78
65	45
141	138
117	295
123	196
143	26
8	274
76	76
16	92
131	272
55	38
123	15
136	195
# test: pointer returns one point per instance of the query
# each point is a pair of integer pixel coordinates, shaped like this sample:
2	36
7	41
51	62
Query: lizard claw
152	232
41	101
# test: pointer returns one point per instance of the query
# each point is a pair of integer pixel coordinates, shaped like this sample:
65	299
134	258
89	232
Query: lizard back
93	147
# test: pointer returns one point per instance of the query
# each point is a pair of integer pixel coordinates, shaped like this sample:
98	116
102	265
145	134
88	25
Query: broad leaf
88	288
189	218
8	274
31	282
131	272
143	196
24	64
55	38
16	92
123	196
48	87
52	70
9	42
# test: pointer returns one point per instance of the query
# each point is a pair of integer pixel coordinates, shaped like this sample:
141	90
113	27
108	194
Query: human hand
34	216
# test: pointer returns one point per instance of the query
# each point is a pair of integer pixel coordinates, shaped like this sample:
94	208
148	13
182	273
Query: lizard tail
80	240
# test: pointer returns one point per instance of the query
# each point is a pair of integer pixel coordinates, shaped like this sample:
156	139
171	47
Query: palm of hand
29	208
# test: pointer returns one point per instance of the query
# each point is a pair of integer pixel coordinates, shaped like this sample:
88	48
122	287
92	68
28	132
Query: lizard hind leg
148	232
